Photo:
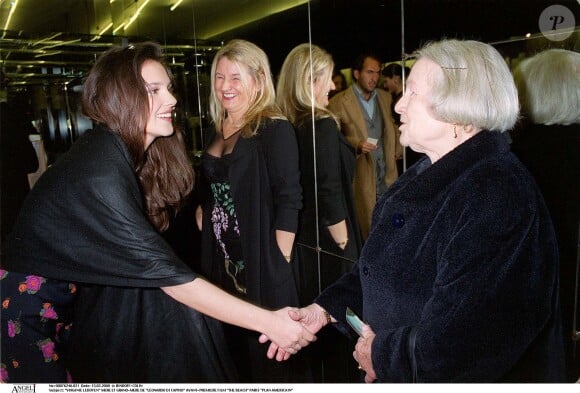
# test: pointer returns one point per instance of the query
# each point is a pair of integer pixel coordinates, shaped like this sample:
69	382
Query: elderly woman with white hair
458	280
547	141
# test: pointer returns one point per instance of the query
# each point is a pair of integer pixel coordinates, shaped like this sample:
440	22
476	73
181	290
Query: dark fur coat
459	276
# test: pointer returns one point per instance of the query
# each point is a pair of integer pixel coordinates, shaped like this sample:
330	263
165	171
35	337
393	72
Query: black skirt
143	335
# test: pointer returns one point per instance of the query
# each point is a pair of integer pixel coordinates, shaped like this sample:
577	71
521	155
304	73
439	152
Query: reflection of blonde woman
327	165
250	216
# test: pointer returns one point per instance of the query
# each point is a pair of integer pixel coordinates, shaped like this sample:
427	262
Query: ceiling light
12	9
50	38
174	6
136	14
50	53
119	28
106	28
98	36
62	43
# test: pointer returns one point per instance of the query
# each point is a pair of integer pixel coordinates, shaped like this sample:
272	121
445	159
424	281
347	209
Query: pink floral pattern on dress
13	328
45	306
47	348
3	373
33	284
48	312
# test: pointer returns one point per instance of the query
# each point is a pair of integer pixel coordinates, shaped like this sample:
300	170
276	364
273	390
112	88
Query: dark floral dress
226	229
36	315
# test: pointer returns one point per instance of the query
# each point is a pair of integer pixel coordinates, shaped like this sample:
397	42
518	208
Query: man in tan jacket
367	122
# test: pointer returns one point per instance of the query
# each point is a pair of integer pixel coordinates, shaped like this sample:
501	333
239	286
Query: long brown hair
114	94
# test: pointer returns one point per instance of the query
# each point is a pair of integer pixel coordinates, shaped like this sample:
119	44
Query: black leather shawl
84	221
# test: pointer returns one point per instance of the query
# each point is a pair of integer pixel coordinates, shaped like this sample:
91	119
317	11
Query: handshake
294	329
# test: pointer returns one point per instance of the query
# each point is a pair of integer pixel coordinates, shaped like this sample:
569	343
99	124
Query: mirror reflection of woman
327	165
334	161
251	197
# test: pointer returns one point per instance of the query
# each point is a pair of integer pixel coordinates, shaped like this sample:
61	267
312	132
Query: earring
455	131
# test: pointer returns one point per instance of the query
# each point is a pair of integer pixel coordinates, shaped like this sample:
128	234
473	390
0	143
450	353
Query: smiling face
234	87
161	101
322	86
420	130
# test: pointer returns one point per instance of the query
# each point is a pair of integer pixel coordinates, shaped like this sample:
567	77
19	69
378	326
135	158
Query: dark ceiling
59	38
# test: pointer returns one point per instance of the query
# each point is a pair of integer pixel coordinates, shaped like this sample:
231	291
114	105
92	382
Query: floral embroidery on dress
32	347
3	373
224	215
13	328
47	348
48	312
31	285
238	267
223	211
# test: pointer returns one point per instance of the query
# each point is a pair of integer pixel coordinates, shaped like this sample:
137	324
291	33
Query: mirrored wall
393	30
43	66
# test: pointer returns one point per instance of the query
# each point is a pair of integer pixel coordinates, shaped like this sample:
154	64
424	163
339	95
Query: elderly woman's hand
362	353
287	335
312	317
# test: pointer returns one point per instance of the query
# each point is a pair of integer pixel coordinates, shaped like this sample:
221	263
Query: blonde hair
475	87
549	87
262	106
294	83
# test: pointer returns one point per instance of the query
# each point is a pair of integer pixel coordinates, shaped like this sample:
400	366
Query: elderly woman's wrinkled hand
362	353
287	336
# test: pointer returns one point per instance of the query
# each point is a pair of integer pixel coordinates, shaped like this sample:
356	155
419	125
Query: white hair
476	87
549	87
